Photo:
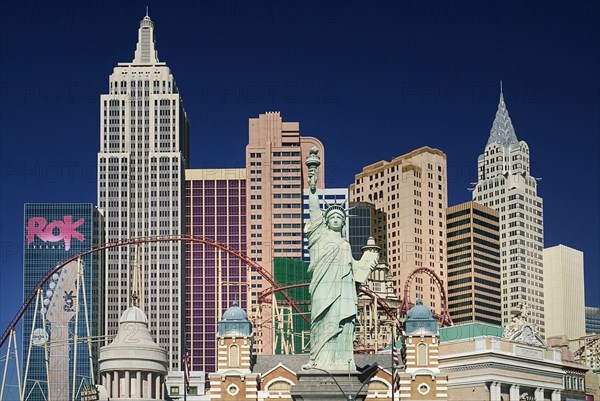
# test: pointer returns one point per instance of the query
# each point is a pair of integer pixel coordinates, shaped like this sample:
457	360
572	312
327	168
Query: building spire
502	131
145	51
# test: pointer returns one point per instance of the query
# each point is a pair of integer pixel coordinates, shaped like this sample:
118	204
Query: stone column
108	380
139	385
539	394
514	392
117	385
147	393
555	395
496	392
157	389
127	384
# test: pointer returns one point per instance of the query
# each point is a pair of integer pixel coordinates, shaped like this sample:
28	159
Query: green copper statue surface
333	283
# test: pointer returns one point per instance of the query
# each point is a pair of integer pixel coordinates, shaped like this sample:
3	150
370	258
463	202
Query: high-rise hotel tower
412	191
505	183
275	176
144	138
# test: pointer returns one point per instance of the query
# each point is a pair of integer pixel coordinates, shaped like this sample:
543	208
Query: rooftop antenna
500	80
146	11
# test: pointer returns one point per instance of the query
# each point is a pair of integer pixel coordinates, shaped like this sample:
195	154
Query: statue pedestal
317	385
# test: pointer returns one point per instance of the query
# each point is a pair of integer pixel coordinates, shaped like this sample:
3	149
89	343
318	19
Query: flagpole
393	364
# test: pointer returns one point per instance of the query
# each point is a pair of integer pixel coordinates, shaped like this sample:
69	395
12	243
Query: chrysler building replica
505	183
144	137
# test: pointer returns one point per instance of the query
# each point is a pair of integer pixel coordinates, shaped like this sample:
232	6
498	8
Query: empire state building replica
505	184
144	151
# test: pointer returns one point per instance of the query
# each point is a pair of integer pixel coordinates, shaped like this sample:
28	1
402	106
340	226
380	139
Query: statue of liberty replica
335	276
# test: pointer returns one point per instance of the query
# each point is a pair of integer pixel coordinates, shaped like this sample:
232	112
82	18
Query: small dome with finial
420	317
235	322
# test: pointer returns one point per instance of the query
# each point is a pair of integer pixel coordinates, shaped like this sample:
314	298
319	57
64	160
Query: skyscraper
144	135
564	300
215	210
276	176
412	191
54	233
505	183
366	221
473	263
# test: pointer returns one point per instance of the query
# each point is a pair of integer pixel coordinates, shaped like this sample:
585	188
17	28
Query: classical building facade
133	367
485	363
564	292
276	176
144	150
473	263
412	191
505	183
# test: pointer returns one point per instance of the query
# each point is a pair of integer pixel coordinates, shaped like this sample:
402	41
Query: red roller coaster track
187	238
444	318
264	296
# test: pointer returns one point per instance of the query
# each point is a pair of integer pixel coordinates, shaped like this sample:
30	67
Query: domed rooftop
133	314
419	311
234	312
235	322
133	348
419	318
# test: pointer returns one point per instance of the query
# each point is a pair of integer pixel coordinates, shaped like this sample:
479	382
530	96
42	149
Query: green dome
235	322
419	311
419	318
235	313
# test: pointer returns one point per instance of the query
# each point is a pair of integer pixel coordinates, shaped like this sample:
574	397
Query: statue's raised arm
333	282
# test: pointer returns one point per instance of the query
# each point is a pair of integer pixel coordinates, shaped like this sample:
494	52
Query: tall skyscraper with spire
144	151
505	183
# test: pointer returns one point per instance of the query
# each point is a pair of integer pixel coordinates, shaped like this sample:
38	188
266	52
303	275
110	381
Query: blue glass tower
53	233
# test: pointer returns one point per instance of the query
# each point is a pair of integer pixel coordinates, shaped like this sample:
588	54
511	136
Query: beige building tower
144	150
412	191
564	292
504	183
275	173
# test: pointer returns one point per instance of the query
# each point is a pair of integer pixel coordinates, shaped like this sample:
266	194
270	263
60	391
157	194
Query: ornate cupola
422	379
234	378
133	366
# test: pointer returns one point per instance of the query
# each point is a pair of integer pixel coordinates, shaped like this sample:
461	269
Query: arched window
234	356
422	354
279	385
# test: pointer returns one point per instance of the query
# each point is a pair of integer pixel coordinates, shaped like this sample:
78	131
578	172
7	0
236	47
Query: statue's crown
336	209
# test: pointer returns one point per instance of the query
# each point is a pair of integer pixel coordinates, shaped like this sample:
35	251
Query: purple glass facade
215	210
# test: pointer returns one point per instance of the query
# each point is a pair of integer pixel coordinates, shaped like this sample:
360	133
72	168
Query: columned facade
133	367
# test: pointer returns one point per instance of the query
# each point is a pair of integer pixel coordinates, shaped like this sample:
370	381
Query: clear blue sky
372	80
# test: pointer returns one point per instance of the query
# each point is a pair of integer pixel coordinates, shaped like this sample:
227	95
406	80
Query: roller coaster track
443	318
142	240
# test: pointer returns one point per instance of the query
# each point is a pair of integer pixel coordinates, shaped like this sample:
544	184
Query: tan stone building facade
412	191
